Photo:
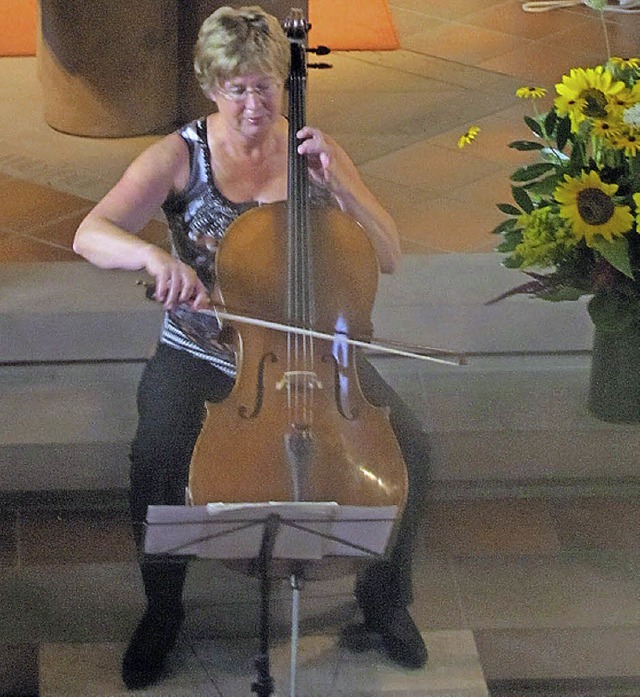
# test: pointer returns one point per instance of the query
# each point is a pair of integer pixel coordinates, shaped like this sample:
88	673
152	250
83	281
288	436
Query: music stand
300	533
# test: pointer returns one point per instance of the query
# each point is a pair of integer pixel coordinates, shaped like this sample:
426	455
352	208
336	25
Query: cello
296	424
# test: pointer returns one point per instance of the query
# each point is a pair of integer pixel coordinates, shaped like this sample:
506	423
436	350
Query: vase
614	389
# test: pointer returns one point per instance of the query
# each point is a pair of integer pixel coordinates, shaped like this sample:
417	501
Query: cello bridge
299	379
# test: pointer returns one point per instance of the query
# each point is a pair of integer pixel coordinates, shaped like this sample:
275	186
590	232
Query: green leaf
563	132
550	121
526	145
514	233
561	293
575	161
615	252
505	226
508	245
534	126
512	263
522	198
544	187
529	172
508	209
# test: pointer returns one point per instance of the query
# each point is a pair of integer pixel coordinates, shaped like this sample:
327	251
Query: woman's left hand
331	168
322	156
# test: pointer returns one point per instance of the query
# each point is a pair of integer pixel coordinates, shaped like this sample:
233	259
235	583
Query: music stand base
315	530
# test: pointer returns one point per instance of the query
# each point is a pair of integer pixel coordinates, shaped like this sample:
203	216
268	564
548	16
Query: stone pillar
117	68
108	68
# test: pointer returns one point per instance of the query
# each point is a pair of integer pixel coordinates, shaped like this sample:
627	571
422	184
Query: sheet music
308	530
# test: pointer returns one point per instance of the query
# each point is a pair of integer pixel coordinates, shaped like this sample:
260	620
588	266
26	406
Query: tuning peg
319	50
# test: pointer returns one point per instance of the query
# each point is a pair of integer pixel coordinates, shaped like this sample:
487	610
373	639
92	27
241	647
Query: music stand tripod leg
263	686
296	584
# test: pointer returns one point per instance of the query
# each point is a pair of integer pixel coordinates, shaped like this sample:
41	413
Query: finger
162	281
201	299
189	284
306	148
306	132
312	141
312	146
174	288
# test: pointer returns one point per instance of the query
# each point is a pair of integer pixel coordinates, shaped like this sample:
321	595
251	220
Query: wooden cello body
296	426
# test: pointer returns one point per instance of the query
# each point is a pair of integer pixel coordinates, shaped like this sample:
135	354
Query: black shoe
153	639
400	636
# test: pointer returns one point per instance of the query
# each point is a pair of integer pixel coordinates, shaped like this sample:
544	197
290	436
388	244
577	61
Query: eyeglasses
240	93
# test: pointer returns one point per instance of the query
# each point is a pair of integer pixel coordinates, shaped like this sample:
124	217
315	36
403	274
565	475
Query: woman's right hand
175	282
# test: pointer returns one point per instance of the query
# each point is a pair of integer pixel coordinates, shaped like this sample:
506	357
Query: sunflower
468	137
530	92
586	94
586	203
636	200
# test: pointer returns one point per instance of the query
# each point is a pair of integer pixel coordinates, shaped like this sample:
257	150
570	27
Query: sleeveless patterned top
198	218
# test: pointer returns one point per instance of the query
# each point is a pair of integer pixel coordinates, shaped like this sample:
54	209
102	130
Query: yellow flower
530	92
621	101
603	128
586	94
622	63
636	200
546	238
586	203
469	136
572	106
629	142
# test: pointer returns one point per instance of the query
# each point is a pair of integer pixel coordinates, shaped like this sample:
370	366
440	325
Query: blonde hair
236	41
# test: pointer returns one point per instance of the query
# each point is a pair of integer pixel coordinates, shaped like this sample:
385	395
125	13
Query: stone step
225	667
506	418
73	340
72	311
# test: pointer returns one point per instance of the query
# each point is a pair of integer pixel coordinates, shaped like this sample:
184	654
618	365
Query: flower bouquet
574	223
577	210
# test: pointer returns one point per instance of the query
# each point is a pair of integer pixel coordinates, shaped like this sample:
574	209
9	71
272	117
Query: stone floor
527	588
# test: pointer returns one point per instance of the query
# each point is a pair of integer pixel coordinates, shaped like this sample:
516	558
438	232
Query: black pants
171	398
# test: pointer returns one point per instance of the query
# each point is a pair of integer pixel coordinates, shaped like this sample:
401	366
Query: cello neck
300	292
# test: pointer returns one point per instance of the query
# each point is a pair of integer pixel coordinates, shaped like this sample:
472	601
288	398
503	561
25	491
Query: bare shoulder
167	160
160	169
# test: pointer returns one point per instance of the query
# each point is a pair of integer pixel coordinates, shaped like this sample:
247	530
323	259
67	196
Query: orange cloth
346	25
18	27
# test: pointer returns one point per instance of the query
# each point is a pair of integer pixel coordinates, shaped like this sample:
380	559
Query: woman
203	176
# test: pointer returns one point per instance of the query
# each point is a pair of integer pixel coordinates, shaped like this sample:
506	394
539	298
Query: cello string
306	270
300	384
295	231
304	232
293	340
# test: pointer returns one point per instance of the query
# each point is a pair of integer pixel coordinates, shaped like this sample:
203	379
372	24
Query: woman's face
250	104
